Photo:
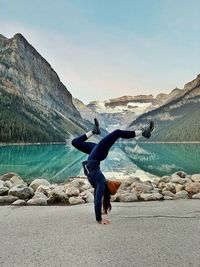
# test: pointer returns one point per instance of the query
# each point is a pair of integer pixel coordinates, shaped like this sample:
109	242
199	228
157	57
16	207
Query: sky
103	49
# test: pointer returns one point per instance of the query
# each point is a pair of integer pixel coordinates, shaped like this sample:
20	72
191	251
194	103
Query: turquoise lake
56	162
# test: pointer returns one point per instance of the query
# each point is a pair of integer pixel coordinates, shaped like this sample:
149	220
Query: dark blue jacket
98	181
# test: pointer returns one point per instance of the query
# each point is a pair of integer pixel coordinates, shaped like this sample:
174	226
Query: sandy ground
161	233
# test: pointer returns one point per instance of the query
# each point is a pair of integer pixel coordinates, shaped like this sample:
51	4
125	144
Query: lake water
56	162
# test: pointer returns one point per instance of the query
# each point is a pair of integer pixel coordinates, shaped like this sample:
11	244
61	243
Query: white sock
138	133
89	134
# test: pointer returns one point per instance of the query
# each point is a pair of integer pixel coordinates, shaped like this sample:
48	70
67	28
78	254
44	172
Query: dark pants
100	151
97	153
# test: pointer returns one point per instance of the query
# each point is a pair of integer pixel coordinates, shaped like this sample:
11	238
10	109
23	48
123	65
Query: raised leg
80	144
101	150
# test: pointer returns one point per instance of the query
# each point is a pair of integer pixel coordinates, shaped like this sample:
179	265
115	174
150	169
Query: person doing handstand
103	188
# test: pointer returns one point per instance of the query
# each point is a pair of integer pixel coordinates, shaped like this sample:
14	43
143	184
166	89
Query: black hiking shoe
146	131
96	129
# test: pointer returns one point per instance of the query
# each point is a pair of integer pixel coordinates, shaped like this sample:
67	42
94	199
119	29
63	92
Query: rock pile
14	190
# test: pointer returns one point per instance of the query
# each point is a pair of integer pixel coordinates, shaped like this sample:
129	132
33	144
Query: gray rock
37	182
58	195
4	191
193	187
178	180
7	199
76	183
14	178
130	181
156	181
17	180
8	184
84	187
162	185
168	194
168	198
7	176
196	196
19	202
179	187
169	187
72	191
43	189
153	196
195	178
2	183
87	196
76	200
37	201
125	197
180	174
51	200
139	188
39	195
21	191
182	194
165	179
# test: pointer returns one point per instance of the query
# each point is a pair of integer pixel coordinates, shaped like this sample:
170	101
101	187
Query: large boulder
169	187
193	187
125	197
39	195
37	201
196	196
168	193
7	176
84	187
21	191
14	178
87	196
182	194
75	183
129	181
195	178
176	179
165	179
179	187
139	188
37	182
7	199
153	196
76	200
4	191
19	202
72	191
180	174
43	189
58	195
8	184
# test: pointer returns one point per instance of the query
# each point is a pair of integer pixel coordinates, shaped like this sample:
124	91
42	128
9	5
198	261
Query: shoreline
77	190
64	143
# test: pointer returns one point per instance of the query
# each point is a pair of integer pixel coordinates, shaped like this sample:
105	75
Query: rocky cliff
34	95
178	119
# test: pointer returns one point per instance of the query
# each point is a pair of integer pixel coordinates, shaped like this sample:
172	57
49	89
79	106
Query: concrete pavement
141	234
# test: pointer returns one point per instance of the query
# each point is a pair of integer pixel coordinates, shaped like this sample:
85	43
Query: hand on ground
105	221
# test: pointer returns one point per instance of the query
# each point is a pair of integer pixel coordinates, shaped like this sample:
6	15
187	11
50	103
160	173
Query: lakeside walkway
142	234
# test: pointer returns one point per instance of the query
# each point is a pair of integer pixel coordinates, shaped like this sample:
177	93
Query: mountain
35	104
178	119
121	111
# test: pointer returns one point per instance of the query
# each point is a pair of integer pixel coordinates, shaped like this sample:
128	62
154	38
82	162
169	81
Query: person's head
110	189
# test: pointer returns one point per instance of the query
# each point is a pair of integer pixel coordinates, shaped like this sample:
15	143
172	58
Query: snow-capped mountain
121	111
